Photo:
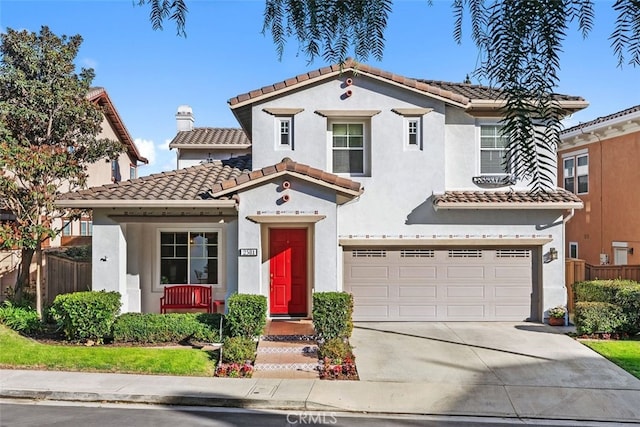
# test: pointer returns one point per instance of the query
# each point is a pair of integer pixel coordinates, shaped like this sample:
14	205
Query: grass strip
624	353
17	351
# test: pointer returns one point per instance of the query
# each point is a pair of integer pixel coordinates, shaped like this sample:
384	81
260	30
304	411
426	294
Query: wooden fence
577	270
65	276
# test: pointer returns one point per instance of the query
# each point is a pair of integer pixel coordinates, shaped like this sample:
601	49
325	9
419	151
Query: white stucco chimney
184	118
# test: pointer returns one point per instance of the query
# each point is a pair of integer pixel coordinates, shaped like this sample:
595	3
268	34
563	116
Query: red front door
288	271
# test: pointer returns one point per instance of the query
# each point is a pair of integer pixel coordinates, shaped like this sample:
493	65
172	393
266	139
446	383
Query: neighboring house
79	232
125	167
598	160
195	146
359	180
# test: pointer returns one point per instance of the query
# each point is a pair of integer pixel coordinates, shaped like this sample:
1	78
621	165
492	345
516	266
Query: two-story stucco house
598	160
359	180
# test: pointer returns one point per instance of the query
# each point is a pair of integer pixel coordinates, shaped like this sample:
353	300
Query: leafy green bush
154	328
332	314
622	293
86	315
78	253
598	317
238	349
21	319
336	349
246	315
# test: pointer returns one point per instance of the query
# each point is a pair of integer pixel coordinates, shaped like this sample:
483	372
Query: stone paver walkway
287	350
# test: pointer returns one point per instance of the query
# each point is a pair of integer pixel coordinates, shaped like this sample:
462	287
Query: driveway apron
506	354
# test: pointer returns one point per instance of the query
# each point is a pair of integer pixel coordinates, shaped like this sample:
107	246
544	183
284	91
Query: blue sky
148	74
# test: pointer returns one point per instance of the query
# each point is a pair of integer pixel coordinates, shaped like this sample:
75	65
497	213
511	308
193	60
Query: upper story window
66	229
133	172
412	126
348	148
284	125
493	150
576	172
86	227
115	171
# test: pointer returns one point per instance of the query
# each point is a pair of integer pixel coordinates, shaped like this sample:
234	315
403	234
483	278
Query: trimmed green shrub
332	314
335	349
154	328
21	319
623	293
238	349
598	317
86	315
246	315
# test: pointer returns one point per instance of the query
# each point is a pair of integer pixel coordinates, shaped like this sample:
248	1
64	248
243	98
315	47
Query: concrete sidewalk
425	398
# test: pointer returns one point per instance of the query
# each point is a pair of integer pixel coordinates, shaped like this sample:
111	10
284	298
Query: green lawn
17	351
625	354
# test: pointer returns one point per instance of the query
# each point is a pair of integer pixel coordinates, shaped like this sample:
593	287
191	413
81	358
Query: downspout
565	220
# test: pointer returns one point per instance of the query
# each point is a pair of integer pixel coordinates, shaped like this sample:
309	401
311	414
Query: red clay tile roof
99	96
459	93
226	137
602	119
351	65
286	165
183	184
472	91
559	196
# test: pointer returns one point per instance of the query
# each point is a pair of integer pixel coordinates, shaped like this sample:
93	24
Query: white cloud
165	146
89	63
147	148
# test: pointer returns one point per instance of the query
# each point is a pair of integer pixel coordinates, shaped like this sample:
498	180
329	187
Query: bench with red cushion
186	297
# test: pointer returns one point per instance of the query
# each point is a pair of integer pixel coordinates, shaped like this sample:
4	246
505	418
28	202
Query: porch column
109	257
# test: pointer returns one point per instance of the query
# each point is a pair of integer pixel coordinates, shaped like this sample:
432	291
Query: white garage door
439	284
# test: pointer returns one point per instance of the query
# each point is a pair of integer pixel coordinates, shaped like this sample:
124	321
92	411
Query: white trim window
573	249
348	148
284	132
86	227
493	150
413	133
67	229
133	172
576	173
189	257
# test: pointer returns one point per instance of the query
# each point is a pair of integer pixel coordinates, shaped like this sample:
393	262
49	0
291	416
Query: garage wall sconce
553	254
630	251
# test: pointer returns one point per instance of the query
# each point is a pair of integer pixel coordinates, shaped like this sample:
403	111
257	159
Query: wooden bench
186	297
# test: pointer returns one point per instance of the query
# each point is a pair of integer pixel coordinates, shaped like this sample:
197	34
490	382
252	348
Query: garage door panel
465	291
417	290
425	312
369	272
465	272
440	284
424	272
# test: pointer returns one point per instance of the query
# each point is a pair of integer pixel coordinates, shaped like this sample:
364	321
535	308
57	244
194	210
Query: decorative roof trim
508	241
279	219
408	112
283	111
229	147
347	113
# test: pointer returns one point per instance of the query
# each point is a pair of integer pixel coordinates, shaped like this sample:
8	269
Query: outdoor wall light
630	251
553	254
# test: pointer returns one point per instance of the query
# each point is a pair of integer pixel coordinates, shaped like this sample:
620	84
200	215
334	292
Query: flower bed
337	369
234	370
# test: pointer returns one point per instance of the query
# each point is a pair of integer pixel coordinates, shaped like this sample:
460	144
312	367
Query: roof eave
94	204
580	130
211	146
513	205
496	104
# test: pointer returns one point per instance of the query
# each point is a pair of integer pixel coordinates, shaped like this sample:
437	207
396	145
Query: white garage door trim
435	284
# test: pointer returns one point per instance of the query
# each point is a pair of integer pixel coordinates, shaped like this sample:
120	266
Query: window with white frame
412	129
576	173
189	257
66	229
348	148
284	129
573	250
493	150
86	227
133	172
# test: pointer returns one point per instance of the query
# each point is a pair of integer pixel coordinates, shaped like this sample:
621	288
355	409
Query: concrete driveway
504	354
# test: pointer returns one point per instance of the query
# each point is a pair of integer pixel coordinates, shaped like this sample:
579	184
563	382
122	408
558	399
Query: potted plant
557	315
